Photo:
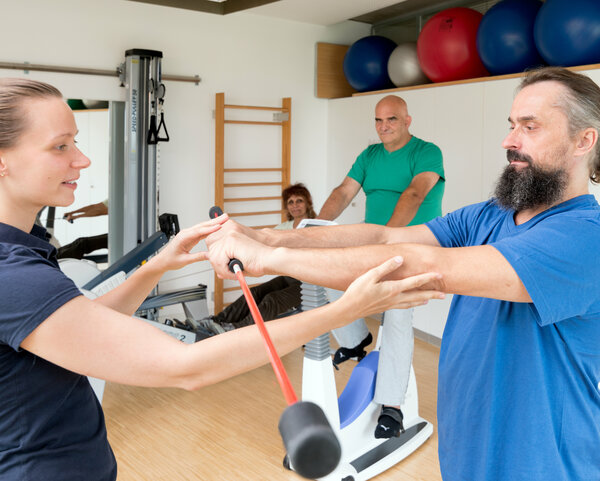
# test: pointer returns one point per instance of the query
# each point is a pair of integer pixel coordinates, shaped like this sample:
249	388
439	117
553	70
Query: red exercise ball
447	46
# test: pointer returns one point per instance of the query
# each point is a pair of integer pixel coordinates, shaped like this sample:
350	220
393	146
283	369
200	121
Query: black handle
214	212
235	262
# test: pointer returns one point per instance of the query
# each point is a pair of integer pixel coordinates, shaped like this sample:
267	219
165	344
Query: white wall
254	60
468	122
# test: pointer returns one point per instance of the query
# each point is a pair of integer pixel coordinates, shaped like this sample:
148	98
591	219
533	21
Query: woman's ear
3	167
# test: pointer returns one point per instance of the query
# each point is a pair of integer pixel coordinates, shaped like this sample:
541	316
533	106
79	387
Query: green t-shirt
385	175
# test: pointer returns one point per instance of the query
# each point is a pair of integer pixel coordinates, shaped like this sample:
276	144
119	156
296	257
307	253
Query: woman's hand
177	253
371	293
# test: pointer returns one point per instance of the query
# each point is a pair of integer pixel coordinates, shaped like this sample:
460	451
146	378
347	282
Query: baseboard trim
429	338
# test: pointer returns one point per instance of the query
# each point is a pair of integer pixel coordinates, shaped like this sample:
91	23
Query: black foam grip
215	211
234	262
312	447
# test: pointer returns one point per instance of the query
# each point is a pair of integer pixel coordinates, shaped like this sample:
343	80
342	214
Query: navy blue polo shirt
51	424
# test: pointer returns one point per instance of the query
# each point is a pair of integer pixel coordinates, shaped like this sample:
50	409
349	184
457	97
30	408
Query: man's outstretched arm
329	236
475	271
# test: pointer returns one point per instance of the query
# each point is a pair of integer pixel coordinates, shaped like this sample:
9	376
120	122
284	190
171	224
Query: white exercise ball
403	66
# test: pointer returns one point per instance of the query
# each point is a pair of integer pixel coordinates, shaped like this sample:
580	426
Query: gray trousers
395	351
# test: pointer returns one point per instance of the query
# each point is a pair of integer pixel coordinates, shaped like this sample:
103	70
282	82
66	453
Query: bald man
403	180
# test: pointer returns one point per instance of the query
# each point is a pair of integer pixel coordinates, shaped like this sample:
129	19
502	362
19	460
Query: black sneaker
356	353
389	424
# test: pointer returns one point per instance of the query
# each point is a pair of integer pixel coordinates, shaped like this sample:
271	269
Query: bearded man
519	368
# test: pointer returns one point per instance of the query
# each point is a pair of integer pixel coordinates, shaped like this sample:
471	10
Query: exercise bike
354	414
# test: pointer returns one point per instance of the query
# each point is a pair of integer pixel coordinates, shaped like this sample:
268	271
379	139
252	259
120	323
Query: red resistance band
282	377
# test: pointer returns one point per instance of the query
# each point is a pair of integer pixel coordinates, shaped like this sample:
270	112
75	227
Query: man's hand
235	245
93	210
233	226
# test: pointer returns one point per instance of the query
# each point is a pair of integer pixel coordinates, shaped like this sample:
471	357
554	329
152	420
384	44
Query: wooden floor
229	431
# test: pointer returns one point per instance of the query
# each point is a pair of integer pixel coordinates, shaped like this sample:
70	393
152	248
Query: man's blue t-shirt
519	392
51	424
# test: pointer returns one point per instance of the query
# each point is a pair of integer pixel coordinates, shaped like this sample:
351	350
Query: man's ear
586	140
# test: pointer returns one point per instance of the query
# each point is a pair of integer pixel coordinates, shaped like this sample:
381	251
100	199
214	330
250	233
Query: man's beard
529	187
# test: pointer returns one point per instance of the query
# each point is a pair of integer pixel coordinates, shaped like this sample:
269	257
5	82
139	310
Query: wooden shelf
467	81
332	84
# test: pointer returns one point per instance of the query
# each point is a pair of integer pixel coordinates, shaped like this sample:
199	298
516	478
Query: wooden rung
258	169
252	122
242	214
253	184
237	288
245	199
252	107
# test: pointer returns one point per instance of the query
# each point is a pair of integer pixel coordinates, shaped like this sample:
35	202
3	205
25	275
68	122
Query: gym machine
354	414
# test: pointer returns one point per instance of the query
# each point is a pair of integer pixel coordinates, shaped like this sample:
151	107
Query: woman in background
298	202
278	295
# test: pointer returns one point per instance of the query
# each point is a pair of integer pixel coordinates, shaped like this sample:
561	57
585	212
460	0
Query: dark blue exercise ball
366	61
567	32
505	37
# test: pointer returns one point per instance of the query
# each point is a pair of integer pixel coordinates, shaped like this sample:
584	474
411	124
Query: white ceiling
320	12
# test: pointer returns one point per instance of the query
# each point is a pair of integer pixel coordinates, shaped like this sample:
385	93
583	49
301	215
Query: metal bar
85	71
183	78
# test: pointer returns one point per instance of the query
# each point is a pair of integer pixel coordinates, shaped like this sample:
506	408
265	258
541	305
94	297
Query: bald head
392	122
393	101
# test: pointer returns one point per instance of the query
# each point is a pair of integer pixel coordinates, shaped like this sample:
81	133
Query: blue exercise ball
505	37
366	61
567	32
